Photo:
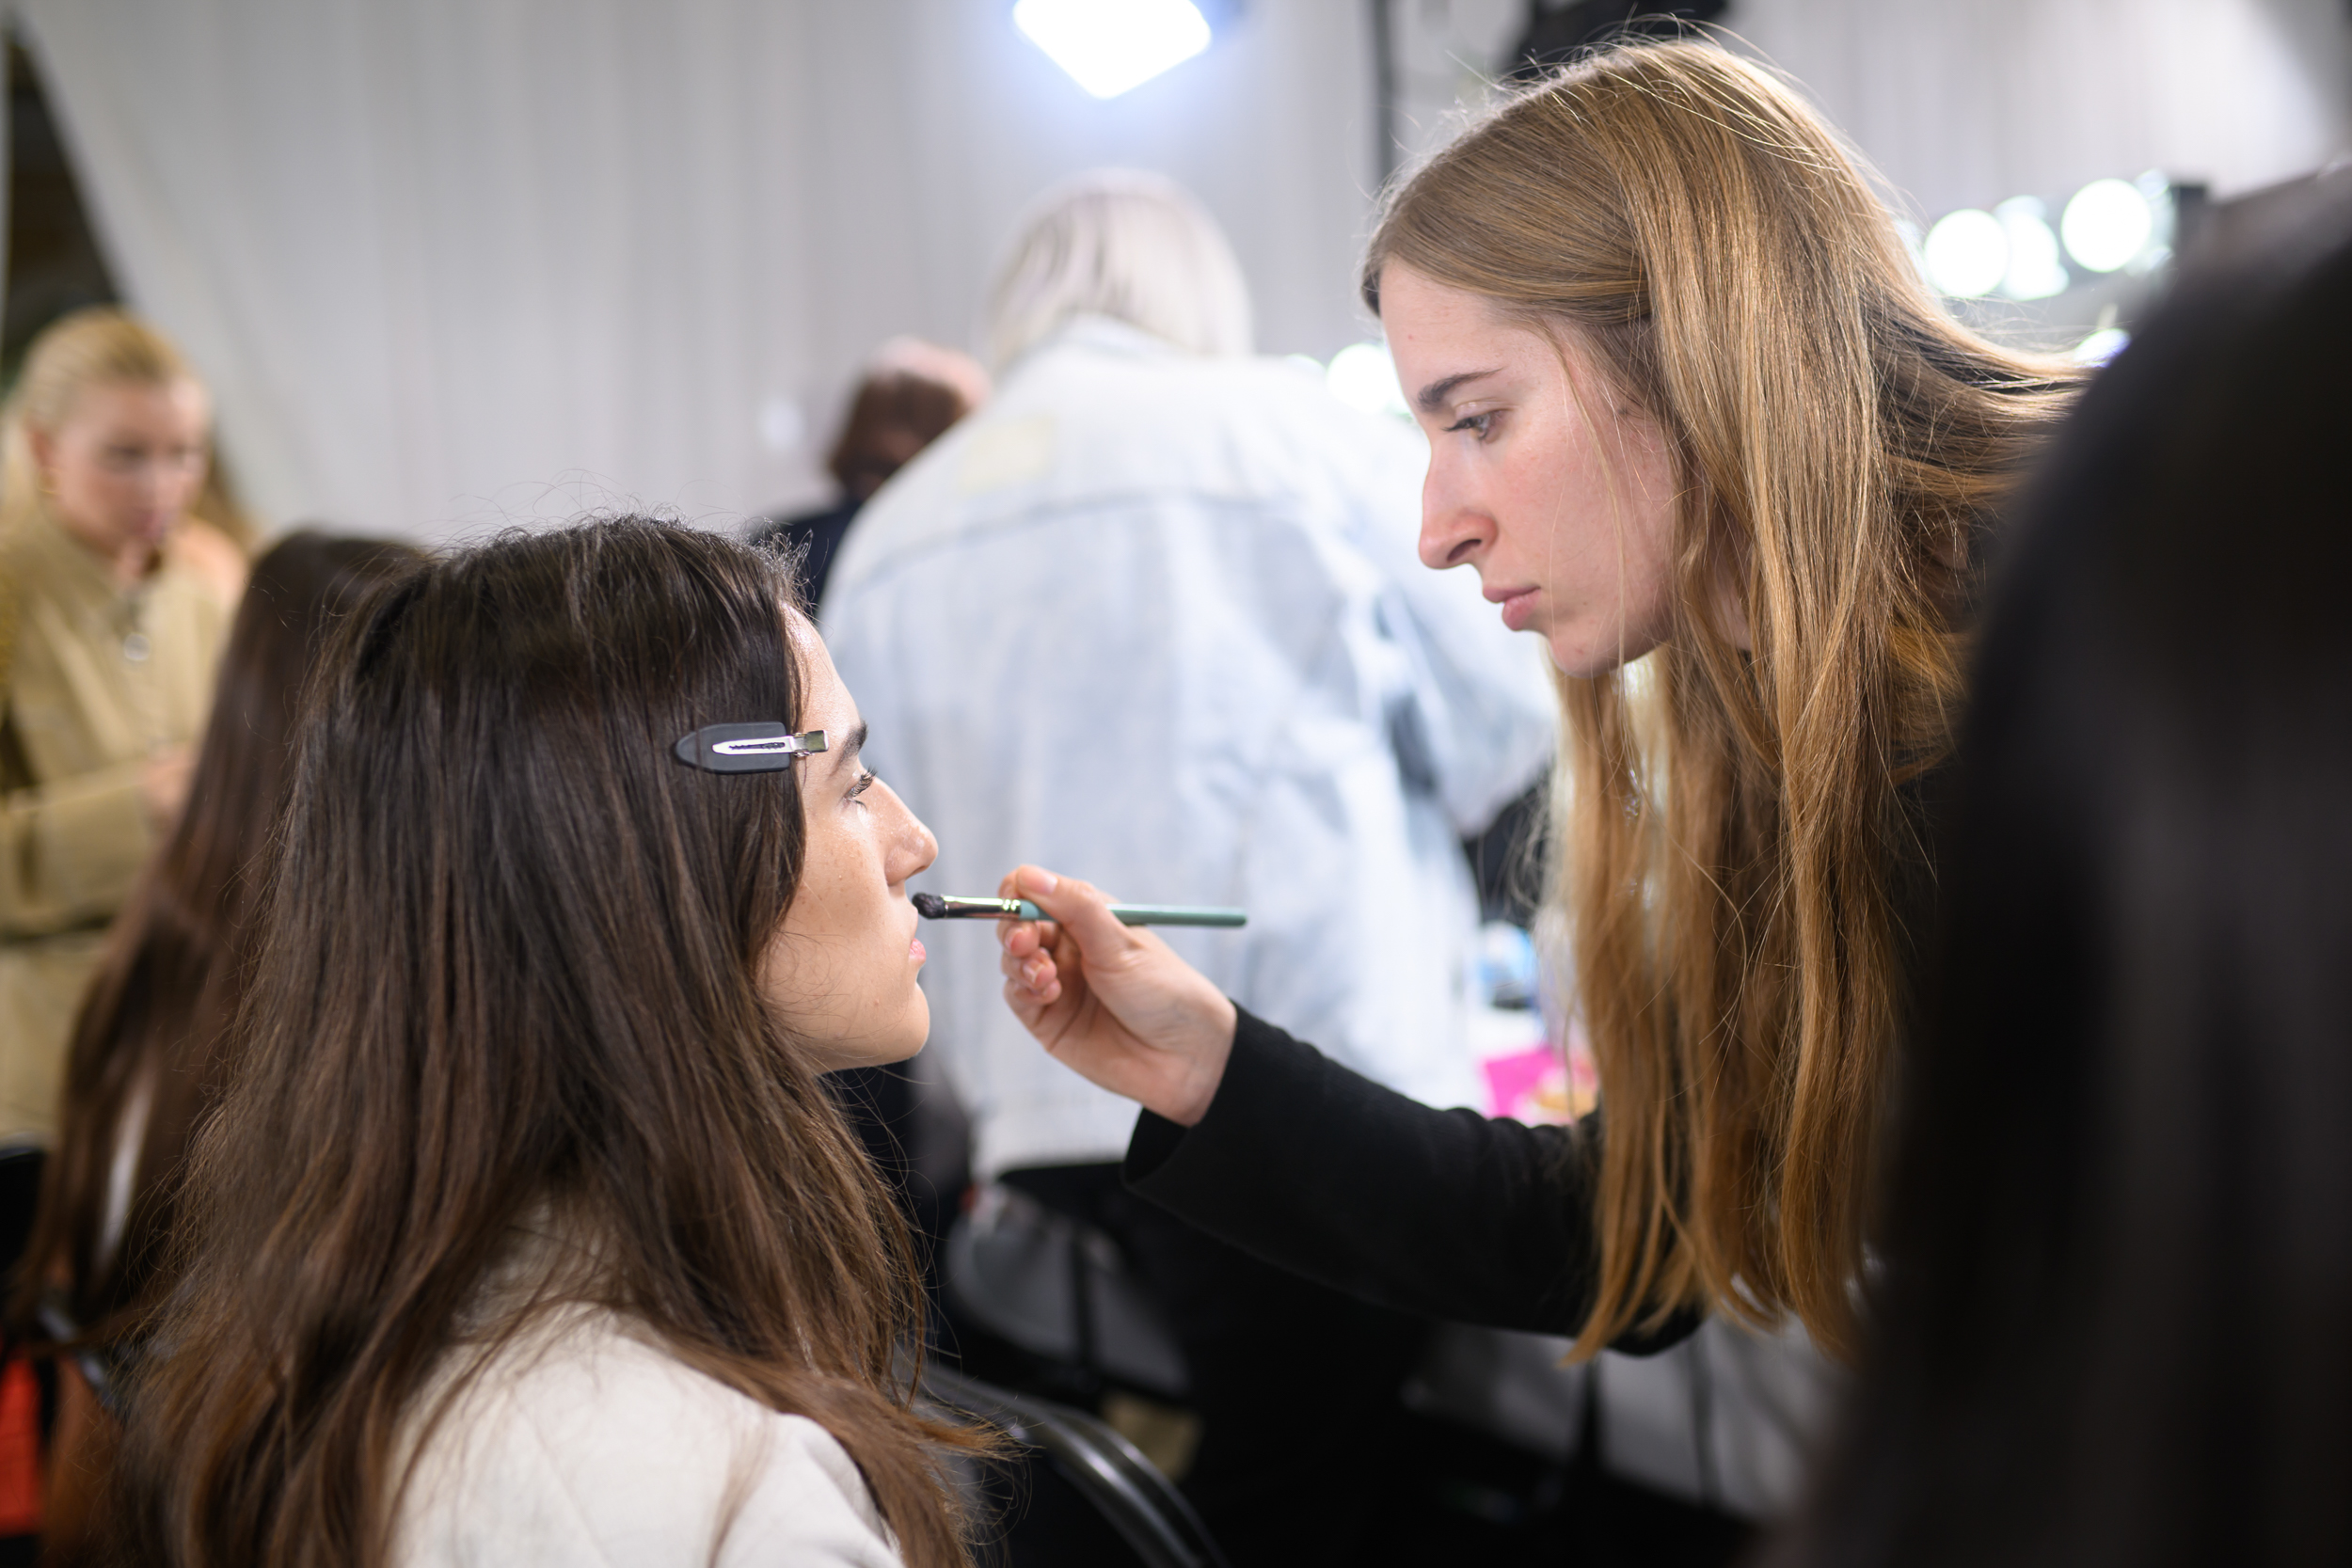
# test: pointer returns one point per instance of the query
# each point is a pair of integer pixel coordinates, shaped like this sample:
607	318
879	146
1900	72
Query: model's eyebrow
844	757
1433	396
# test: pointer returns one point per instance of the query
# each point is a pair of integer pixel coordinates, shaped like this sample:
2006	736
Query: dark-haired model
527	1232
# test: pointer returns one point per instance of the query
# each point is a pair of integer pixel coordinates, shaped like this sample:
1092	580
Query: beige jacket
94	680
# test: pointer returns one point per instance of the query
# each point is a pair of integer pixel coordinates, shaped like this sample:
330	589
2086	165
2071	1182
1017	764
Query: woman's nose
1452	532
915	848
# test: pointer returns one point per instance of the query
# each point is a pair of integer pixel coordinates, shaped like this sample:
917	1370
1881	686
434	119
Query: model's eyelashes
1480	425
865	782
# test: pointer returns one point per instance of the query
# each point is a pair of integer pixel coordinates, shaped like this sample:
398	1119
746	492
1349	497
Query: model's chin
904	1039
908	1041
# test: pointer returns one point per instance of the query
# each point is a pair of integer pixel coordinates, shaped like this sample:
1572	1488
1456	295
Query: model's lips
915	950
1519	605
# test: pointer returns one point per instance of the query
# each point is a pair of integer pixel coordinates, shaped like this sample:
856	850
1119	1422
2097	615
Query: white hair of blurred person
1133	246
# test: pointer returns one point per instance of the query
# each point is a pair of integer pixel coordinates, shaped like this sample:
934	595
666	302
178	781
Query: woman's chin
1582	655
905	1042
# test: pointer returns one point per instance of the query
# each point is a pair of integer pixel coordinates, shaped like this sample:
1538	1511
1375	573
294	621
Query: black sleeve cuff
1266	1068
1322	1172
1155	1141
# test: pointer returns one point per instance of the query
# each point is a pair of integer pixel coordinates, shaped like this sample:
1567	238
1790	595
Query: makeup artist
1694	421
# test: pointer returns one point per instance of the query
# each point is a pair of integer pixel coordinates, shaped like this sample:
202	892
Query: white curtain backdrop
454	263
1966	103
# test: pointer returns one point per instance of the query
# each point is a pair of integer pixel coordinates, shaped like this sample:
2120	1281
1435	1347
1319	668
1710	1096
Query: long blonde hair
74	353
1692	229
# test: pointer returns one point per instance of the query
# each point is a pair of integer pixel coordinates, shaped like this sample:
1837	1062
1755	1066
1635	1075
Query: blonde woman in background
120	568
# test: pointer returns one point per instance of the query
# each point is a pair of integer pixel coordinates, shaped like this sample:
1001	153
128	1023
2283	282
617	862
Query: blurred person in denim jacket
1257	696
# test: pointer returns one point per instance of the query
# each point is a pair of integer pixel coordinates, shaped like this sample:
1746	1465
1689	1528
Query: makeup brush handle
935	907
1174	914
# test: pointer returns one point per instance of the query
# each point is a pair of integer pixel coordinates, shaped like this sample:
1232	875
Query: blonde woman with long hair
1695	422
120	563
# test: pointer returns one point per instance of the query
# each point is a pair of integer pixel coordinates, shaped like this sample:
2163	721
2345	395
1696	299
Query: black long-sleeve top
1447	1213
1326	1173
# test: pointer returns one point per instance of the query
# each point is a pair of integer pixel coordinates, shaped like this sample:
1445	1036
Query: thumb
1079	908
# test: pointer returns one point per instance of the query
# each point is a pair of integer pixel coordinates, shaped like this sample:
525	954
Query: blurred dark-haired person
526	1231
908	395
149	1040
117	577
2118	1267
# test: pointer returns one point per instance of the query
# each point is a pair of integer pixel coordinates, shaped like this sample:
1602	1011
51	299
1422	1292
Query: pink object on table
1540	1084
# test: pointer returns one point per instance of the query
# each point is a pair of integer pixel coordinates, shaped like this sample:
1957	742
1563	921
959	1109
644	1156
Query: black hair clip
767	748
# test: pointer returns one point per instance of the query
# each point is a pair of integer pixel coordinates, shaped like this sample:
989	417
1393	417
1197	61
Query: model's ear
44	448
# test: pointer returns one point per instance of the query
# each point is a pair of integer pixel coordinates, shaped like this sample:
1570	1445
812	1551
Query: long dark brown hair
1733	819
144	1054
509	966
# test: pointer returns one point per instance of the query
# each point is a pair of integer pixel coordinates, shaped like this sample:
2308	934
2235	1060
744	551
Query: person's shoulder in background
212	558
1106	414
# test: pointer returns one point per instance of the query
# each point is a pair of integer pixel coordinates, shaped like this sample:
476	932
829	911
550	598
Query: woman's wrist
1205	1064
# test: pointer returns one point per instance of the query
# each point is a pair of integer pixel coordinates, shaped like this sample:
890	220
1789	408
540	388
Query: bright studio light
2102	346
1363	376
2034	269
1966	253
2108	223
1108	46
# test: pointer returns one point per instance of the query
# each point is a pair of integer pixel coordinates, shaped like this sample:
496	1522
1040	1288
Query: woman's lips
915	950
1518	606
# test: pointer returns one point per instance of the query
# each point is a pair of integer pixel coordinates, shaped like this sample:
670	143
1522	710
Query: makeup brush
930	906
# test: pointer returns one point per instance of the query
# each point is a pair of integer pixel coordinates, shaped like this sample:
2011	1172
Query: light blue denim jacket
1156	620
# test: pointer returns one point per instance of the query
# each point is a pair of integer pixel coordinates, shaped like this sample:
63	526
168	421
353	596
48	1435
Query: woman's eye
1480	425
864	783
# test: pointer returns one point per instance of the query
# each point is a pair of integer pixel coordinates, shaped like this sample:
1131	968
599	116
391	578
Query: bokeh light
2034	270
2107	223
2101	346
1363	376
1966	253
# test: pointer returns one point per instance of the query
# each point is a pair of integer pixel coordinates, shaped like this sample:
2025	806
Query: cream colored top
584	1441
96	679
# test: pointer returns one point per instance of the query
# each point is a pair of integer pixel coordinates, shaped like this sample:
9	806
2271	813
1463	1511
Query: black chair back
1083	1495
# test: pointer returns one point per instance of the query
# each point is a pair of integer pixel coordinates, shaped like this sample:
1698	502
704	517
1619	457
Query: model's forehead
826	702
